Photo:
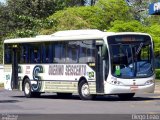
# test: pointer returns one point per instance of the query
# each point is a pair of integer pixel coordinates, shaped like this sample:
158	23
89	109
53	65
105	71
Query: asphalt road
14	103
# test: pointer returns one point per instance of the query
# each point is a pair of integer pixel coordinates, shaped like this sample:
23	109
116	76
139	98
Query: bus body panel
7	76
56	77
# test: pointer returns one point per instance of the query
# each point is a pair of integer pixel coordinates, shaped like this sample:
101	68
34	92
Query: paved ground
13	104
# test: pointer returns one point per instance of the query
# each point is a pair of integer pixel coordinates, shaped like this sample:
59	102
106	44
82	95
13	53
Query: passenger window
47	53
8	54
72	52
35	53
87	51
60	53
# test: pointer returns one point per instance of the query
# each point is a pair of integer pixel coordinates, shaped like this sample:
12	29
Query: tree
98	16
154	32
25	17
130	26
111	10
71	18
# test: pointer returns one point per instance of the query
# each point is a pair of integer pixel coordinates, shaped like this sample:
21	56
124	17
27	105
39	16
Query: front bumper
117	89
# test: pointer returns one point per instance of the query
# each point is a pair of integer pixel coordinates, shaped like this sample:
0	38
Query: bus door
99	68
14	79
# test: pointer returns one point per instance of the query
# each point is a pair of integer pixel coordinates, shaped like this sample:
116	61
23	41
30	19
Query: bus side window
60	52
8	54
24	53
44	52
87	51
37	58
72	52
35	53
63	53
82	52
32	60
91	52
57	52
47	53
51	53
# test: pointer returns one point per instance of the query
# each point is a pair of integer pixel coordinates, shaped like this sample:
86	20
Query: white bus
87	62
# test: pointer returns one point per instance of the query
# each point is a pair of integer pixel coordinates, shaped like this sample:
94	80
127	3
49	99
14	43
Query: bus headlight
116	82
149	82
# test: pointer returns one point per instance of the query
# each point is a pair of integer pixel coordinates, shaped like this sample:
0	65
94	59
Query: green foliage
73	18
19	17
99	16
34	8
154	31
157	71
130	26
111	10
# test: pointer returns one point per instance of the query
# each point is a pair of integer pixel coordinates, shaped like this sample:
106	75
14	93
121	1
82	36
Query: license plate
133	88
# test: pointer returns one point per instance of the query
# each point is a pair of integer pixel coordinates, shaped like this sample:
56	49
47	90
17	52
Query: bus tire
83	90
27	88
126	96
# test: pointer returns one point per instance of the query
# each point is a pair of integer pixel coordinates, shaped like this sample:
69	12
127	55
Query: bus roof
88	34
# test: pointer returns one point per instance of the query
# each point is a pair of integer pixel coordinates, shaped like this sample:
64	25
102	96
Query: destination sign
128	39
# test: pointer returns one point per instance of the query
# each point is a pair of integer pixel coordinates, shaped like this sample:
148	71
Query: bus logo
8	77
36	70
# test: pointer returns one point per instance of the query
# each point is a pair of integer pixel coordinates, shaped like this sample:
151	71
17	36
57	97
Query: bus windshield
131	56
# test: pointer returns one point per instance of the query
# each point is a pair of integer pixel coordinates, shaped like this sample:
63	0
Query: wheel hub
85	90
27	88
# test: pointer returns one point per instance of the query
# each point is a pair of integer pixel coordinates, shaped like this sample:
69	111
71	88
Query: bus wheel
84	91
126	96
27	88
